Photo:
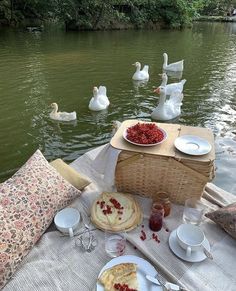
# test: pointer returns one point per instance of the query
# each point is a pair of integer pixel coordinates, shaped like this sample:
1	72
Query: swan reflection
99	116
177	75
140	84
58	124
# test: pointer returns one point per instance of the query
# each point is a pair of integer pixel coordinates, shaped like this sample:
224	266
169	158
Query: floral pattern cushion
28	203
226	218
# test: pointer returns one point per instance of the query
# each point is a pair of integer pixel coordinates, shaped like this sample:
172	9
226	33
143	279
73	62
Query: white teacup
67	220
190	237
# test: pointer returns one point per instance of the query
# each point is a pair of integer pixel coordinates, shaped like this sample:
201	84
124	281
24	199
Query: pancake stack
116	212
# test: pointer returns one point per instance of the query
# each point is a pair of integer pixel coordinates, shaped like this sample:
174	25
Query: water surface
37	69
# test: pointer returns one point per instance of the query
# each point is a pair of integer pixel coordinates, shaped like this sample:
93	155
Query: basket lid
166	148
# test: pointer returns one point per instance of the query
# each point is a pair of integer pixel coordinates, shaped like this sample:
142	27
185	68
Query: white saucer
192	145
197	256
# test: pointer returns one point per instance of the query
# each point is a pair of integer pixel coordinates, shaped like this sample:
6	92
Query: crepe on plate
115	211
120	275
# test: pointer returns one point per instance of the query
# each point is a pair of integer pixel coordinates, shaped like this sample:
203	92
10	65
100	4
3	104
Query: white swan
178	66
170	88
99	101
167	109
102	93
61	116
140	75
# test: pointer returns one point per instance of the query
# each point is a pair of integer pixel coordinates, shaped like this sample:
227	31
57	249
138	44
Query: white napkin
105	164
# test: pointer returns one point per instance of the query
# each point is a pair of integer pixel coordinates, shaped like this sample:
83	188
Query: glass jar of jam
163	199
156	217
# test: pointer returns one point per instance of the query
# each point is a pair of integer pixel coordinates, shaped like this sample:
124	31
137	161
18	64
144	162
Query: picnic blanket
56	263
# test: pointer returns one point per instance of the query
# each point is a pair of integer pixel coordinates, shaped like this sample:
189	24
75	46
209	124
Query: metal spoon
207	253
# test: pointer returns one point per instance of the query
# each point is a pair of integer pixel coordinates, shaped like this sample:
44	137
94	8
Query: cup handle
71	233
188	251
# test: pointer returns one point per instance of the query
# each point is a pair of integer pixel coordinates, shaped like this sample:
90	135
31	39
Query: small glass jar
163	199
156	217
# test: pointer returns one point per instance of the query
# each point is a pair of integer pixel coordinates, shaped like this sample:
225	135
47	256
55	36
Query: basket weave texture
148	171
147	175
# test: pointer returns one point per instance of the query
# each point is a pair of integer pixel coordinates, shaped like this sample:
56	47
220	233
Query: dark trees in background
107	14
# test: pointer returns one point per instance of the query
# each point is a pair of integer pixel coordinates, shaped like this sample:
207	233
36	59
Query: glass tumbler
193	211
115	243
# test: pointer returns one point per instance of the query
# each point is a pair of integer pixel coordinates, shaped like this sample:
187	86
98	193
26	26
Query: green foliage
15	11
103	14
6	12
178	13
85	14
217	7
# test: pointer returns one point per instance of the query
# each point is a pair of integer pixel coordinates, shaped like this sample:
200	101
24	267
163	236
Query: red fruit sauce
156	217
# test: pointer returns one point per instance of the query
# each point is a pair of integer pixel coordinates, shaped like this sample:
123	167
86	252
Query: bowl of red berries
145	134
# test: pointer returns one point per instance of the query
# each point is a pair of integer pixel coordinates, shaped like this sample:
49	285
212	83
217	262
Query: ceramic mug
67	220
190	237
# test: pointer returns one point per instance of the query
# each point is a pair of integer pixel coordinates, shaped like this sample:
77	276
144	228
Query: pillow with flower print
28	203
226	218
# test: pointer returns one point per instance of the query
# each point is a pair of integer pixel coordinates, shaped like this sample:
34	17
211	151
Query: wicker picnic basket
147	172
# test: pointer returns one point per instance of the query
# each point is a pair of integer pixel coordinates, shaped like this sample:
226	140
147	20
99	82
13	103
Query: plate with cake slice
127	273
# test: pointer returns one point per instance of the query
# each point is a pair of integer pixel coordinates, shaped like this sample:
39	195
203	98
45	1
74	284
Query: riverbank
37	24
217	18
114	25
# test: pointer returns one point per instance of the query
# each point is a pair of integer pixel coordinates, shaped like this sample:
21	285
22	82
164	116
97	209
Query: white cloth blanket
55	263
207	275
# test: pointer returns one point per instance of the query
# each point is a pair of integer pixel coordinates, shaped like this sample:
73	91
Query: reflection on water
176	75
99	116
231	28
58	124
139	84
54	66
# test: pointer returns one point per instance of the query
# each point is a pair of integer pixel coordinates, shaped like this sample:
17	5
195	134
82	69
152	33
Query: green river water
39	68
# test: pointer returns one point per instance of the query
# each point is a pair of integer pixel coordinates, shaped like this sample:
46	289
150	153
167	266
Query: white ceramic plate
192	145
195	257
144	268
145	145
